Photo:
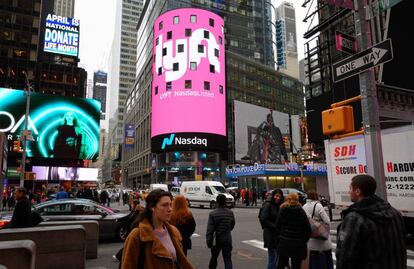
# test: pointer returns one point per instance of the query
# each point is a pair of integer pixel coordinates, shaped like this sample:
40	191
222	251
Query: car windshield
219	189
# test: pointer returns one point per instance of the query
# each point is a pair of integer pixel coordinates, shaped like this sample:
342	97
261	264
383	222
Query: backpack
261	212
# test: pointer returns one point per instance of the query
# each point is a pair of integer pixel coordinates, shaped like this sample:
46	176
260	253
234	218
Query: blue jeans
272	258
226	252
320	259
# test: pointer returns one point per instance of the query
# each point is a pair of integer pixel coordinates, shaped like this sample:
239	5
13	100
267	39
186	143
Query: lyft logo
188	53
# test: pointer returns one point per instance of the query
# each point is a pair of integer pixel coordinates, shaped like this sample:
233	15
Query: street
248	251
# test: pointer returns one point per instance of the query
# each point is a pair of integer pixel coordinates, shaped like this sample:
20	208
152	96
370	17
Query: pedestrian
294	232
22	216
4	200
254	197
268	218
183	219
62	194
220	224
372	233
247	197
320	251
159	240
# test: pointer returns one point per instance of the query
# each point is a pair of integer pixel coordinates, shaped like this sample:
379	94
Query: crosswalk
259	245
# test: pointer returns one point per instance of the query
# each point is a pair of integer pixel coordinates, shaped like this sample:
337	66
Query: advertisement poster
59	126
65	173
129	136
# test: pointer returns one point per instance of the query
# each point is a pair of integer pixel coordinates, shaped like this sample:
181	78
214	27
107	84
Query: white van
158	186
204	193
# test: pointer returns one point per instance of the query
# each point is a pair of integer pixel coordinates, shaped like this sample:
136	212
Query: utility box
339	120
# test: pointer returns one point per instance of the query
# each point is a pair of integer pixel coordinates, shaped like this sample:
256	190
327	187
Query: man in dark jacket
372	233
22	217
220	224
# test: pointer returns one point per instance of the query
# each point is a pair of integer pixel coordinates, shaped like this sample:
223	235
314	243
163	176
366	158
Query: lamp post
25	132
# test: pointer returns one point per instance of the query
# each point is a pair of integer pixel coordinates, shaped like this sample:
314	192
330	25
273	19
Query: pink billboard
188	88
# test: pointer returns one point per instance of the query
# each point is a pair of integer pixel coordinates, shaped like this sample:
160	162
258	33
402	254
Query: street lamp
25	132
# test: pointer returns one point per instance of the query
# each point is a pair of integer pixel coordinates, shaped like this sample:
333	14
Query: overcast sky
97	28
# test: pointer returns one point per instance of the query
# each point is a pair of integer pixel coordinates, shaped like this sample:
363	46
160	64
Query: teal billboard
60	127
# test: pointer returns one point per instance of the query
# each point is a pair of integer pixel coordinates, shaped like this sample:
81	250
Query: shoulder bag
319	230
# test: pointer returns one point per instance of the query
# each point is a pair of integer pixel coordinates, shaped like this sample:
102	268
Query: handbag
319	230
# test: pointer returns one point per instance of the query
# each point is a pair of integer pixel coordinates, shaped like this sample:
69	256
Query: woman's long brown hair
180	211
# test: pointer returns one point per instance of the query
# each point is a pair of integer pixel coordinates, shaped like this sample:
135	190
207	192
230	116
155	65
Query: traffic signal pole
25	131
369	102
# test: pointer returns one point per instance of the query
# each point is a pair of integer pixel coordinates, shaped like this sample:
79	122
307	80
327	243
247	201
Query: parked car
82	209
286	191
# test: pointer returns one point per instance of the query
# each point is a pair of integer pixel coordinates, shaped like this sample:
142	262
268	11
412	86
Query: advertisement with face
188	89
60	127
262	135
65	173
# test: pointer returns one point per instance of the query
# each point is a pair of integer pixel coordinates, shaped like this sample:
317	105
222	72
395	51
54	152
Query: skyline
97	32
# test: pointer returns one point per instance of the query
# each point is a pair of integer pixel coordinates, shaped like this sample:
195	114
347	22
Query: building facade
100	79
65	8
286	41
251	77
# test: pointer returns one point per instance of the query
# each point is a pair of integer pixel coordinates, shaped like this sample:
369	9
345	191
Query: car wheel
213	204
122	232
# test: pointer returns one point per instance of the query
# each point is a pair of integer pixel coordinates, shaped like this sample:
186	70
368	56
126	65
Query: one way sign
378	54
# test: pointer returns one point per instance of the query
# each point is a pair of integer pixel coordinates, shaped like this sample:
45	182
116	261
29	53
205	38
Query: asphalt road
248	251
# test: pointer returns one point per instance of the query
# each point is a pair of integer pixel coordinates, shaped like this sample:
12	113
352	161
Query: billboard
60	127
129	136
62	35
65	173
263	135
188	88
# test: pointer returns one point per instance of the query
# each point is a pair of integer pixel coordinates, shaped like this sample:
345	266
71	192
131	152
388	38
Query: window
206	34
208	190
193	18
59	209
156	90
211	22
169	86
157	41
164	51
193	66
169	35
176	20
220	40
206	85
216	53
160	25
159	71
212	69
188	84
175	67
221	89
188	32
201	48
180	48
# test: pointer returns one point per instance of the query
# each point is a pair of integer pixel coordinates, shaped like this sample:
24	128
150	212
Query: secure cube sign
188	88
62	35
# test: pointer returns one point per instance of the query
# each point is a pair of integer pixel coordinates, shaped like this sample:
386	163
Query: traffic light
338	120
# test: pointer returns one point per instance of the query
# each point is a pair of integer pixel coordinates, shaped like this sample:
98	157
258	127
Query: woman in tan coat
161	242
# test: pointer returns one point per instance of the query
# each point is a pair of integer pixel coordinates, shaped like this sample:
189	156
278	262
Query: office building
99	90
65	8
251	77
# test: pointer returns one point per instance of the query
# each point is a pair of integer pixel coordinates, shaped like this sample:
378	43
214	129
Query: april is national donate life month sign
62	35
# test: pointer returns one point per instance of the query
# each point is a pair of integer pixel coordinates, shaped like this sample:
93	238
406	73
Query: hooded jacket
371	236
156	255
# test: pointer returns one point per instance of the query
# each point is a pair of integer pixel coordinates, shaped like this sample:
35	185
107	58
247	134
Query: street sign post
345	43
353	65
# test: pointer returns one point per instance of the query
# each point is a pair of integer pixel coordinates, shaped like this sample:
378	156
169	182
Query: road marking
255	243
195	235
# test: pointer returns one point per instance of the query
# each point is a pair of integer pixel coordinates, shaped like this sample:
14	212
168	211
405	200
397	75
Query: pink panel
192	109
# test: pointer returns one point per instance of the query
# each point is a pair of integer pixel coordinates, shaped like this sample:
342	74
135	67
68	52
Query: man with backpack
267	216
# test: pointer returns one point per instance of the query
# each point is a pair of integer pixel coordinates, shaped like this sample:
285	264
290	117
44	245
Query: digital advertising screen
65	173
188	87
60	127
62	35
263	135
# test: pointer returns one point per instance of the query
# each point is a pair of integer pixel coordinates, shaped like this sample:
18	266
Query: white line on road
195	235
255	243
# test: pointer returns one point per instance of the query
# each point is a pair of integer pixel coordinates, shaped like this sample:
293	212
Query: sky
97	19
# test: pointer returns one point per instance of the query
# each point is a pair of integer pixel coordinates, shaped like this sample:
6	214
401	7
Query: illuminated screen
61	127
61	35
65	173
188	89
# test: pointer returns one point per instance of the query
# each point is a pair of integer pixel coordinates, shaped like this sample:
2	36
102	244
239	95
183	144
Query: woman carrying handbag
320	250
